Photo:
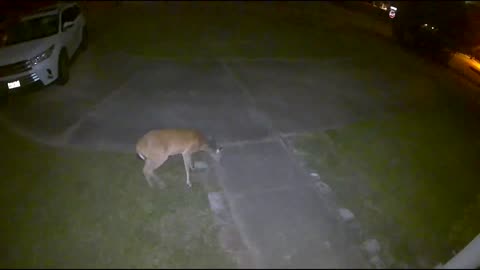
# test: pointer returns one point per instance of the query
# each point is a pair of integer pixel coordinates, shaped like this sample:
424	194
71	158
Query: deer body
157	145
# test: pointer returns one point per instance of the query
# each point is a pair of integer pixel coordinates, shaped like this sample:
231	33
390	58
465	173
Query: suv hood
25	50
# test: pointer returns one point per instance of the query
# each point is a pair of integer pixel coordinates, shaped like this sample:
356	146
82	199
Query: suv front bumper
43	73
26	80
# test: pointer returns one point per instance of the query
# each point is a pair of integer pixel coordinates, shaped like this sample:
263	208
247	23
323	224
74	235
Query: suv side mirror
67	25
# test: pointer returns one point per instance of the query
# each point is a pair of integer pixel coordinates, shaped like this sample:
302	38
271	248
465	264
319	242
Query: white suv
37	47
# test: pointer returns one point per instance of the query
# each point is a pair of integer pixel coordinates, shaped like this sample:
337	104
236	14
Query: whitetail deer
157	145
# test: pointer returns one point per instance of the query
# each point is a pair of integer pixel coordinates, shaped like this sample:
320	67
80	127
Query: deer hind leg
149	171
192	163
187	161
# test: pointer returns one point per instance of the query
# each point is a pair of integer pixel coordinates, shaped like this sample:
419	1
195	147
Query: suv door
71	35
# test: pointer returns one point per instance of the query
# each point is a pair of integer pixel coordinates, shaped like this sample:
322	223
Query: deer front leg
187	162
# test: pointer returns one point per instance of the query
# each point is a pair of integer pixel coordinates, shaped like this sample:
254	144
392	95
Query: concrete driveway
252	105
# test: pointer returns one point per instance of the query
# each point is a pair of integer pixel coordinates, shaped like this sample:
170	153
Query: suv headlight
44	55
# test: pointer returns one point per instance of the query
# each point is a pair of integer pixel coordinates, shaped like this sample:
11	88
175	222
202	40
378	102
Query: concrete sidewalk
285	222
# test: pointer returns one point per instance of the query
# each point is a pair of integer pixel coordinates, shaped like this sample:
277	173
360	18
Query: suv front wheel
63	69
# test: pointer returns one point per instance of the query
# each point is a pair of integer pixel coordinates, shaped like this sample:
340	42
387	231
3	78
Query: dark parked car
433	25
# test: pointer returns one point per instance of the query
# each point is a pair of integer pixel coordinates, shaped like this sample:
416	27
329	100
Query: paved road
253	105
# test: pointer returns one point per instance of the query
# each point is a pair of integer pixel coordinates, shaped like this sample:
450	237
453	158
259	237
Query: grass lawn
64	208
411	180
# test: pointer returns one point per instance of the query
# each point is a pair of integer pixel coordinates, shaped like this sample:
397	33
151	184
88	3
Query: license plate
14	84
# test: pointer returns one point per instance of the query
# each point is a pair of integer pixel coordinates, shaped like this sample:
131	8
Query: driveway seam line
66	136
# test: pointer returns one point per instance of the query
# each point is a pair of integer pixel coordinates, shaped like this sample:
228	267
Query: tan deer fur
157	145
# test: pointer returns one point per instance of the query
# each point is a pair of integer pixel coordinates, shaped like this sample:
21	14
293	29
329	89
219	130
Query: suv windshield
31	29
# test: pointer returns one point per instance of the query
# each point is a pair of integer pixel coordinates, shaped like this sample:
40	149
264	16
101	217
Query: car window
75	12
26	30
70	14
